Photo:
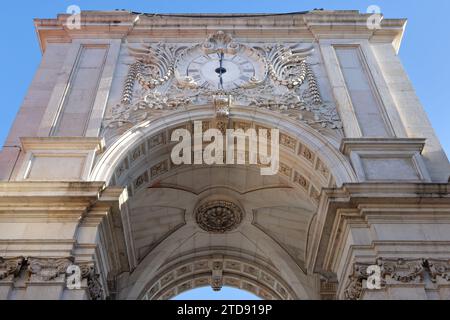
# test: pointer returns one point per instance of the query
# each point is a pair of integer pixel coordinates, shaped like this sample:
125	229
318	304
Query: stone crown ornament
220	42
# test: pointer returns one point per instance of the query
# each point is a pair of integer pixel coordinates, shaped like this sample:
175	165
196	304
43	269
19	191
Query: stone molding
312	24
78	196
63	143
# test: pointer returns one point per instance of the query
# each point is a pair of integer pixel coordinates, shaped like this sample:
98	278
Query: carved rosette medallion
218	216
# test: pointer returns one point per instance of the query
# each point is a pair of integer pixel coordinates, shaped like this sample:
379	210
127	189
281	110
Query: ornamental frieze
43	269
394	271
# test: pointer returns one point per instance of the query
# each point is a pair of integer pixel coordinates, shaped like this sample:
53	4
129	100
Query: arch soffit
299	145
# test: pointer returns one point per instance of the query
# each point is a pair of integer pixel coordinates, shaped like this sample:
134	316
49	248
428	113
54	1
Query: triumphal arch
93	205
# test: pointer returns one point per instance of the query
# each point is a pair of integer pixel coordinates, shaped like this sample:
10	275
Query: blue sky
425	49
206	293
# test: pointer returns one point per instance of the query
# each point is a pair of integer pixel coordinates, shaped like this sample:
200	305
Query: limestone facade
89	194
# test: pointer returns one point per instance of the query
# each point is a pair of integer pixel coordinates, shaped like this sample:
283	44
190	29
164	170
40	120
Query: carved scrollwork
47	269
287	64
354	289
220	42
402	270
10	267
155	64
398	270
439	268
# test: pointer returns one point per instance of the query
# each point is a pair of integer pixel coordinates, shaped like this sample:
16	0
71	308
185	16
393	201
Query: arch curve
216	269
326	149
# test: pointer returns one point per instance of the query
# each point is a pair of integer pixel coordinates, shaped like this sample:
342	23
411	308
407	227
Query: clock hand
221	72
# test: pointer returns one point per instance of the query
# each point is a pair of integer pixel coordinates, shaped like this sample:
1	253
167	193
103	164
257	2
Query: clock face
222	71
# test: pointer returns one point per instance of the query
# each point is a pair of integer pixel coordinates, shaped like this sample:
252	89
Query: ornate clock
221	64
223	72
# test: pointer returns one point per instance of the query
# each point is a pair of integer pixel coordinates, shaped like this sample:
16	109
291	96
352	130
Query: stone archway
238	270
278	211
298	139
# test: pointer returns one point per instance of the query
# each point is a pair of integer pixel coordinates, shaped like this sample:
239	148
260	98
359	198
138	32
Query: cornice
357	193
385	144
57	201
39	190
49	188
62	143
316	24
356	201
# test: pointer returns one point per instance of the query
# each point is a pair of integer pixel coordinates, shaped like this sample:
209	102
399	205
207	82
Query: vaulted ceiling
272	209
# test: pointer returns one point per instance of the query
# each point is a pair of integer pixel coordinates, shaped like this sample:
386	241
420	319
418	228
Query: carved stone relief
218	216
43	269
395	271
438	269
95	289
10	267
283	81
47	269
